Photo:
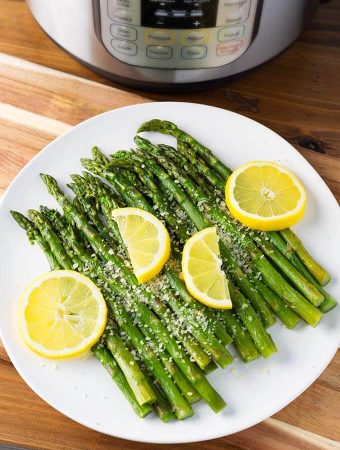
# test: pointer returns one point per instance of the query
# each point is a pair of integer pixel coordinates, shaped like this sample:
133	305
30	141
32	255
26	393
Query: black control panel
179	14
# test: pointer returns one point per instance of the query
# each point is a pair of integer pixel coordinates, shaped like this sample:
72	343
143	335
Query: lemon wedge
62	314
265	196
202	272
146	239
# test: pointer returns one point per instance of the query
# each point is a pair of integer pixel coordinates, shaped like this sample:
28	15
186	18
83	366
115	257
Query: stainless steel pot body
173	43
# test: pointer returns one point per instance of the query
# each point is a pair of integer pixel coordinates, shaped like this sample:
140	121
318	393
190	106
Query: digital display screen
179	14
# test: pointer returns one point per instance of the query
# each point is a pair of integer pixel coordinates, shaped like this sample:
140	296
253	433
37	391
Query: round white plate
80	388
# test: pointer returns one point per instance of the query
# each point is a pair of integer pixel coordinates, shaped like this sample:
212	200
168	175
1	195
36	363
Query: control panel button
159	37
232	12
159	52
228	48
194	37
124	11
230	33
194	52
113	5
122	16
124	47
123	32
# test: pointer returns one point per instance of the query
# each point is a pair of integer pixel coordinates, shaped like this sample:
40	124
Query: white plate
81	389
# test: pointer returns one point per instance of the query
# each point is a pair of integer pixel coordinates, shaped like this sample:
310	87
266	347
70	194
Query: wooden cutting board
36	105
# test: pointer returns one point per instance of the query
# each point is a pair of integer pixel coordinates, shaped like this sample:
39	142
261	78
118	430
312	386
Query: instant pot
172	44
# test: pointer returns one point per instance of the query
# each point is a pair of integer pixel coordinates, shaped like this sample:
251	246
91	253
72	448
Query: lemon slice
201	267
62	314
147	241
265	196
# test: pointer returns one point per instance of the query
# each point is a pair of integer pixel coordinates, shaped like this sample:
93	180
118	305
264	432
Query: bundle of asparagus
154	361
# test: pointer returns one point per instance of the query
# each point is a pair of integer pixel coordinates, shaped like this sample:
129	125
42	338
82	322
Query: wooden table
297	95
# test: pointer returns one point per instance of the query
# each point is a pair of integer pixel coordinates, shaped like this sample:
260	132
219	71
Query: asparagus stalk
214	180
320	274
107	204
301	283
90	209
191	345
100	352
191	161
187	389
281	309
270	275
206	339
159	199
181	407
266	315
170	128
261	338
242	340
329	302
258	333
203	311
210	342
191	371
137	380
134	376
109	363
48	235
33	236
162	406
238	276
110	203
101	248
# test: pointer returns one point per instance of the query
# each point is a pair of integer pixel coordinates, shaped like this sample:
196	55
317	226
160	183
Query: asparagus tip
146	126
76	178
140	139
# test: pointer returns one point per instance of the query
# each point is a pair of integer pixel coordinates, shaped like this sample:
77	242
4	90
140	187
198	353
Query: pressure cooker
173	44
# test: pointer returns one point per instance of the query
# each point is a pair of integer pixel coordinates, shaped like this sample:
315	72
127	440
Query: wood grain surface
297	95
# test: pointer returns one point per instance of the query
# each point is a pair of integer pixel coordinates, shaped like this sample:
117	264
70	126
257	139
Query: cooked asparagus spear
34	236
243	342
88	264
301	283
186	158
192	372
108	361
99	350
329	302
204	337
263	340
313	267
165	127
260	263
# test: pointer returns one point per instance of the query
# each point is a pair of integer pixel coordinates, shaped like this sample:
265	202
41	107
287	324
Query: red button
228	48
